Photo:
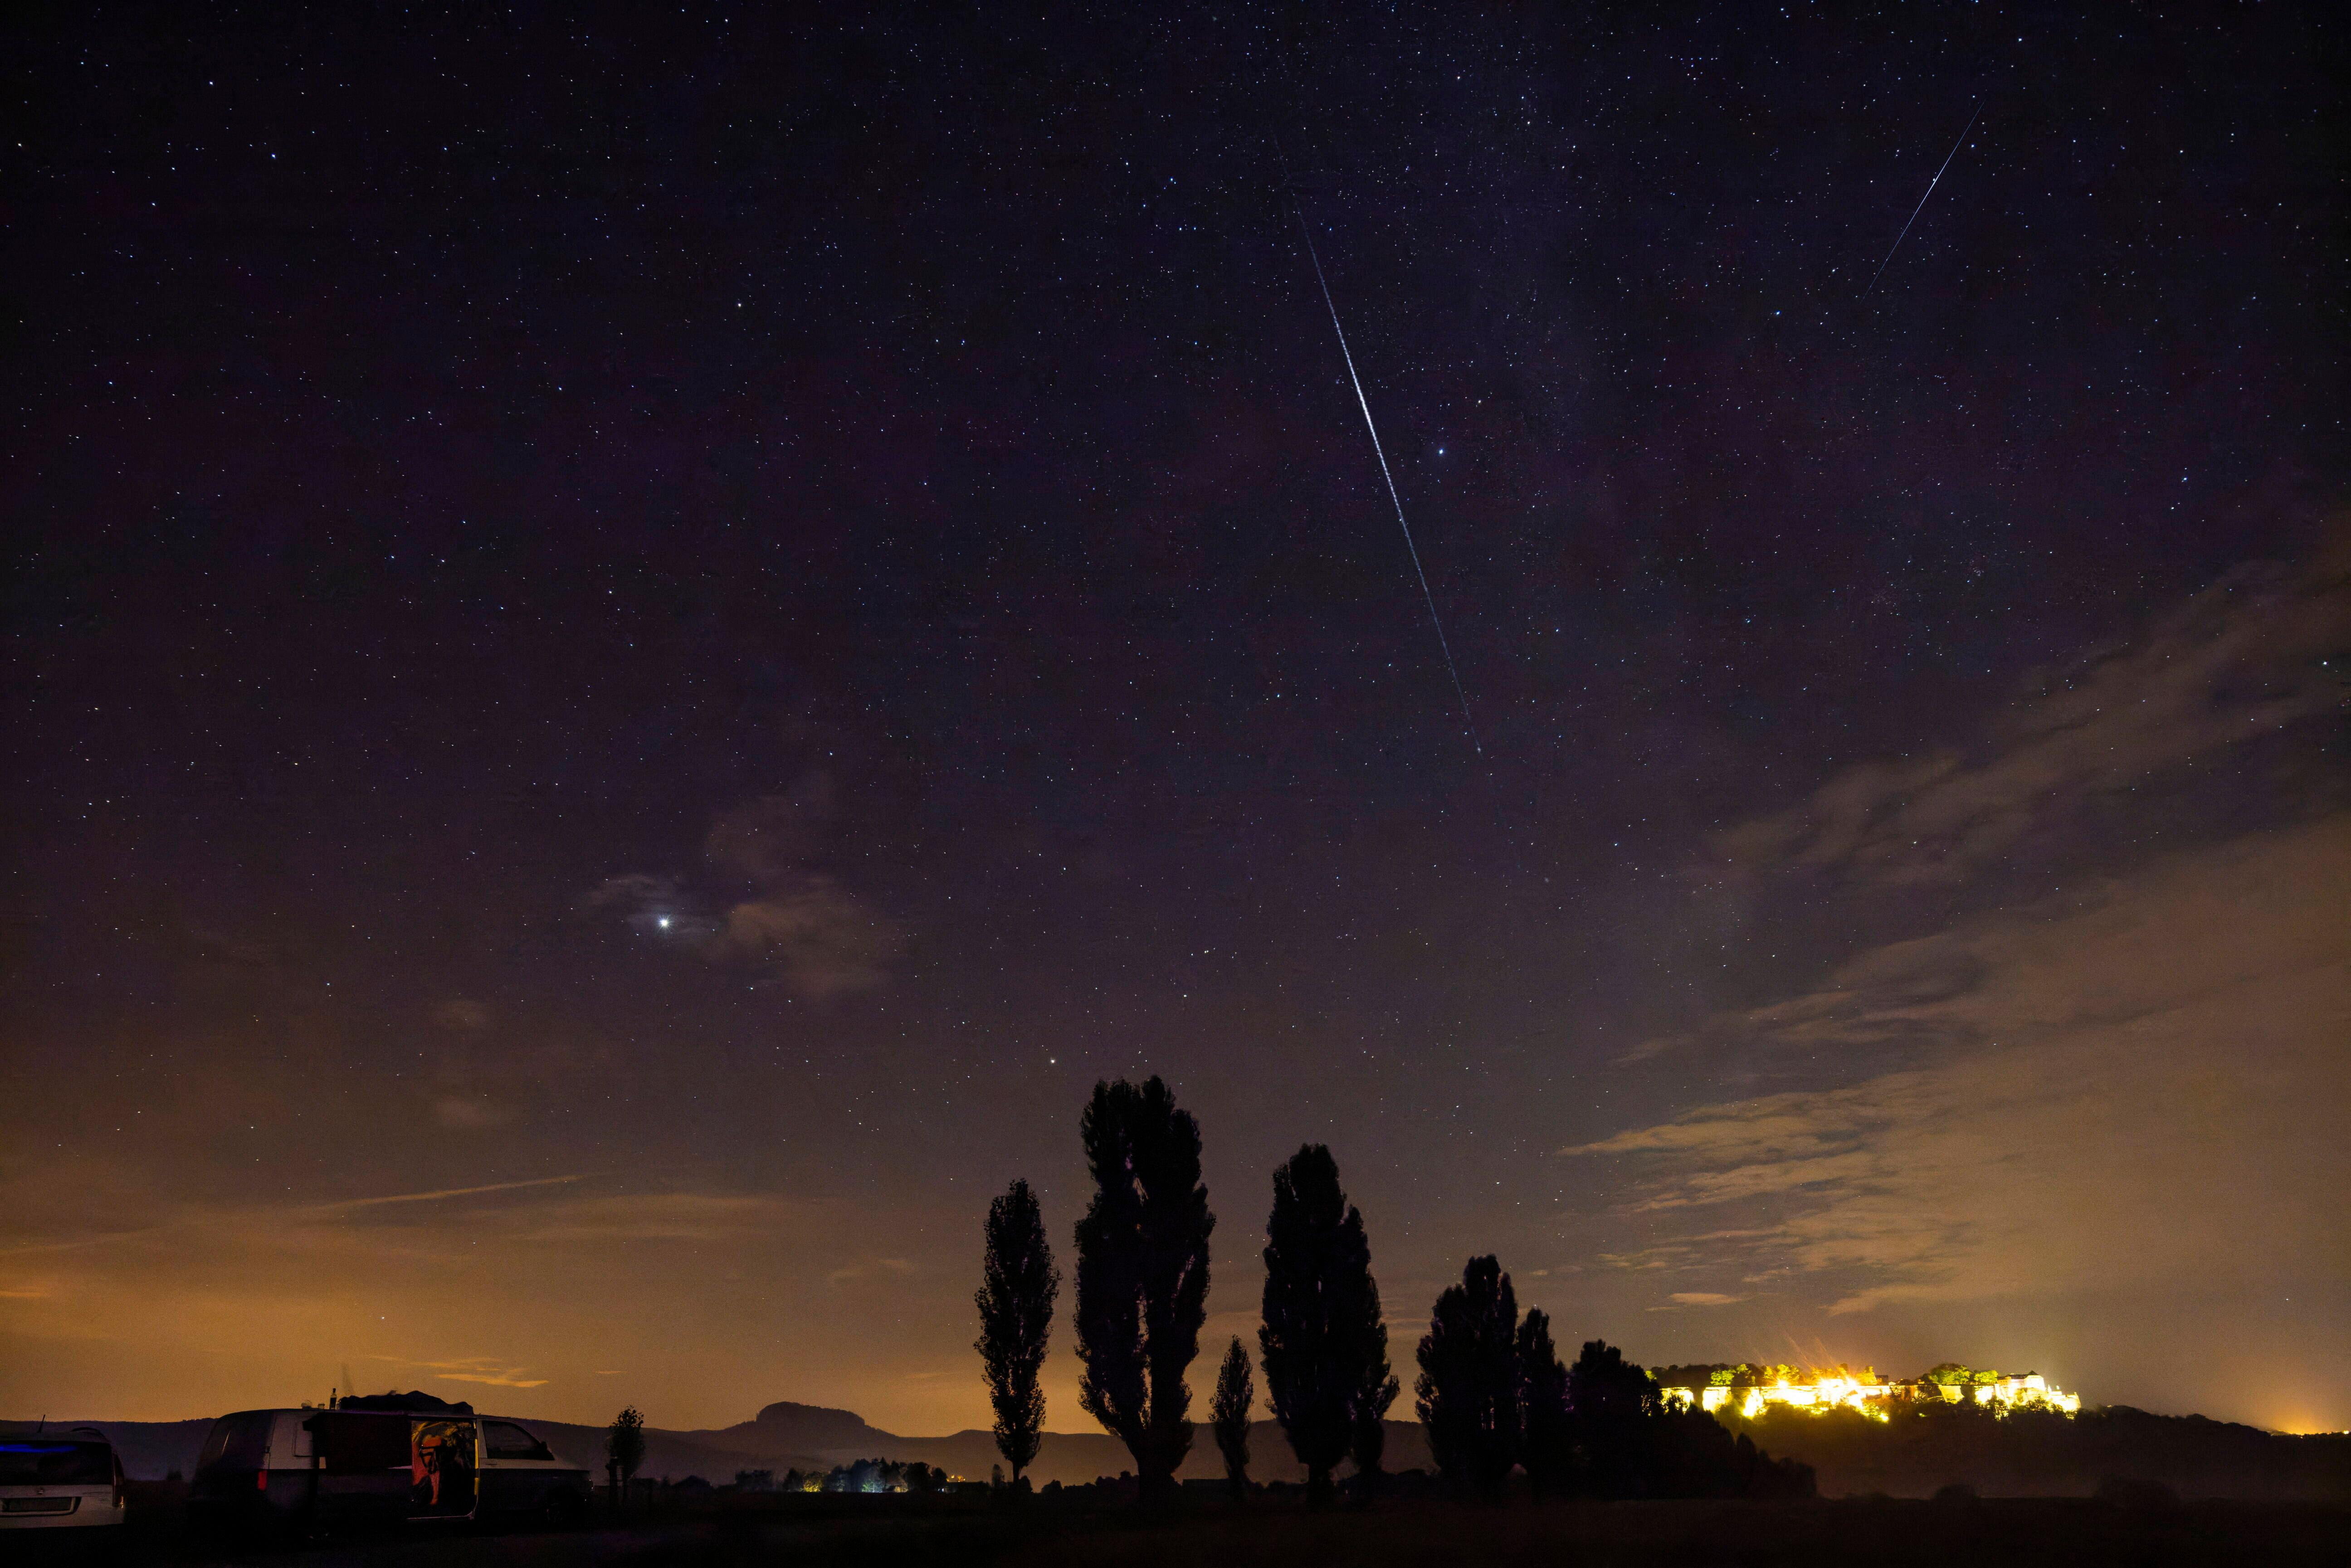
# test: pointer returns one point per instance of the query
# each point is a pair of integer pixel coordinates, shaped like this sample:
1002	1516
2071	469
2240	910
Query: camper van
360	1463
58	1479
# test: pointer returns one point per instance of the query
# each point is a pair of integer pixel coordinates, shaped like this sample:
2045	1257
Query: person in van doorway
455	1474
443	1470
425	1486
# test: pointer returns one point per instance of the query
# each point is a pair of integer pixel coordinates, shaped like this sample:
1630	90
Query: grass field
818	1532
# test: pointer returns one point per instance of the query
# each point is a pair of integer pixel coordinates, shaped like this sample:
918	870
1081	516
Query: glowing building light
1821	1389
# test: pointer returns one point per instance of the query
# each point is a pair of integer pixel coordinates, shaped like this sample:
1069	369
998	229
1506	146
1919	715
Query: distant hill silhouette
2041	1454
713	1456
785	1426
2024	1455
787	1436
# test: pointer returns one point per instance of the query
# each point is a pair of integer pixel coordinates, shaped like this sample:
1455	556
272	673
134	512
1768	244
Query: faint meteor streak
1922	200
438	1194
1469	726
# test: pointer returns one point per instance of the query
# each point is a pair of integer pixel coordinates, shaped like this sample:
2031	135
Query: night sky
637	649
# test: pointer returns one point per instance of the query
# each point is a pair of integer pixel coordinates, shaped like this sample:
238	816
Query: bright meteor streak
1467	727
1922	202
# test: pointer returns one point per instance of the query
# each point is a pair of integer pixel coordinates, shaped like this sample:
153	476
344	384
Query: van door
362	1459
444	1466
516	1468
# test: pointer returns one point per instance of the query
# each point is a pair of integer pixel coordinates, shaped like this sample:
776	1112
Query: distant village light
1749	1391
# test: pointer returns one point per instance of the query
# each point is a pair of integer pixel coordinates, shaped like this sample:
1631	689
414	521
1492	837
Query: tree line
1492	1391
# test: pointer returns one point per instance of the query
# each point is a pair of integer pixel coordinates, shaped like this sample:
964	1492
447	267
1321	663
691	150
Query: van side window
509	1441
351	1442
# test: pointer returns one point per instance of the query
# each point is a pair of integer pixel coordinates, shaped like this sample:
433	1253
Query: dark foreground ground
814	1531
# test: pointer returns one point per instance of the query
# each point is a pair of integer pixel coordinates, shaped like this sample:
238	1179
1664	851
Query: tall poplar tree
1322	1342
1142	1273
1547	1441
1468	1387
1018	1285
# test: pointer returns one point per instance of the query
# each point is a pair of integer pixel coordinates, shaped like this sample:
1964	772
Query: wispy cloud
2137	1083
1680	1299
812	935
470	1369
2259	651
655	1216
556	1281
798	926
469	1112
867	1268
462	1014
76	1243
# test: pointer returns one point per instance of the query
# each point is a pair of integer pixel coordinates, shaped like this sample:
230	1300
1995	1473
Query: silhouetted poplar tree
1611	1401
1142	1273
624	1444
1546	1442
1228	1416
1324	1347
1468	1387
1372	1402
1019	1284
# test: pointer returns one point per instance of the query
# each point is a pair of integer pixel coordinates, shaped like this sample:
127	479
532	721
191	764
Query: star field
722	613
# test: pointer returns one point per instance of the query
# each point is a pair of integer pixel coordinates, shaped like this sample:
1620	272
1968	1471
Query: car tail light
261	1480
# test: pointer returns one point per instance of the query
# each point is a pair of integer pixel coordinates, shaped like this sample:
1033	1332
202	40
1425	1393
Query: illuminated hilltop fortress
1747	1389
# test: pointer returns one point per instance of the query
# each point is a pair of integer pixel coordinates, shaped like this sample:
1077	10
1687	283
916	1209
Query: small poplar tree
1372	1401
1228	1416
1018	1286
1610	1402
624	1444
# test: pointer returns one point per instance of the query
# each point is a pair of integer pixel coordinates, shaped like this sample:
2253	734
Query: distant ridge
787	1436
2053	1456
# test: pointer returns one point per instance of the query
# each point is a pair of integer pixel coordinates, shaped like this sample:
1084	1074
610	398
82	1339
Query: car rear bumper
41	1513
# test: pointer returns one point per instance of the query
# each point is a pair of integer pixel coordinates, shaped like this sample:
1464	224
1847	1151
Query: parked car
63	1478
354	1464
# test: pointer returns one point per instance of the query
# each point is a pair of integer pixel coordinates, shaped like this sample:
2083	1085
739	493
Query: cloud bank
2059	1107
2142	1083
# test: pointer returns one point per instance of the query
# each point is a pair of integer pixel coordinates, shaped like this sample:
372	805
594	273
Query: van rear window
237	1442
30	1462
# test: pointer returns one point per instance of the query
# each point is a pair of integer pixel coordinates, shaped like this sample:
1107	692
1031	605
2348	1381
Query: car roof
19	1430
322	1410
